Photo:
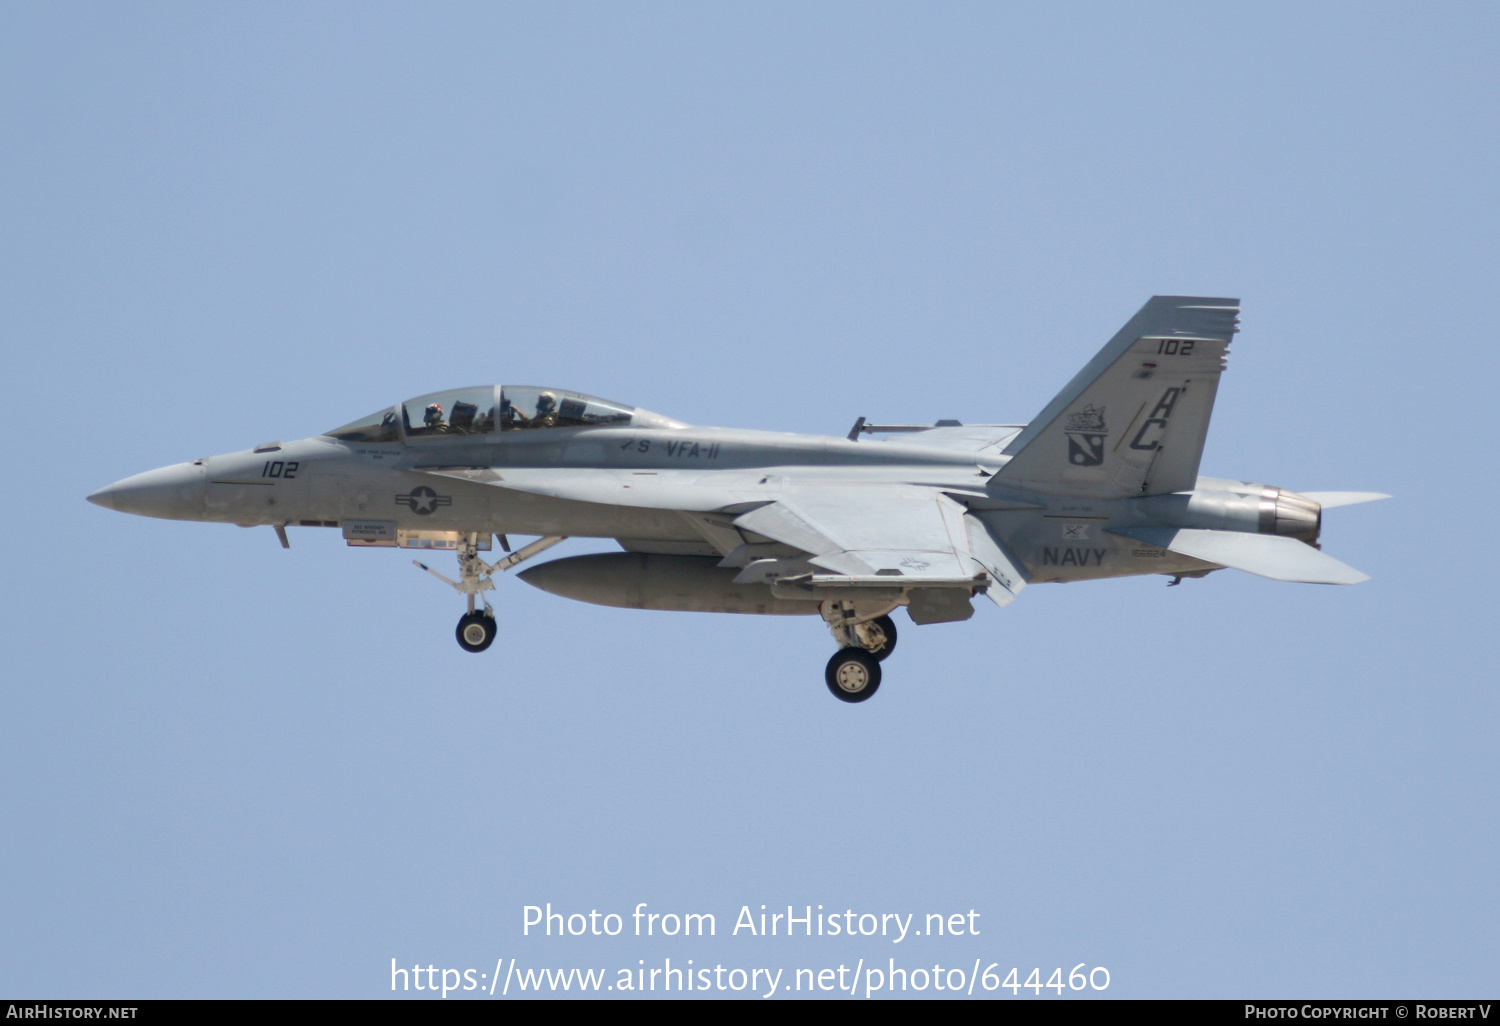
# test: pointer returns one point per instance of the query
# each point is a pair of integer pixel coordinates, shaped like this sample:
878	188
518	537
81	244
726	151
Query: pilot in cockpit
546	411
432	419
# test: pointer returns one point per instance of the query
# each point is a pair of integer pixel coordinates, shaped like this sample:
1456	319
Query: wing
822	535
887	536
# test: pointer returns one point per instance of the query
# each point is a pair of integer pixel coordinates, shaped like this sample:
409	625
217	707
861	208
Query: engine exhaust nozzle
1284	512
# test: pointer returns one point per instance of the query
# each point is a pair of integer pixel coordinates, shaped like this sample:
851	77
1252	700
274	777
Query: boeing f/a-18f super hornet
1102	483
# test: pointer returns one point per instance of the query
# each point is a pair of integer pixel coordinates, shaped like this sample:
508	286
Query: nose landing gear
476	628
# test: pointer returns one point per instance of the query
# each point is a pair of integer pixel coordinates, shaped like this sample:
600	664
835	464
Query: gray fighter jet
1102	483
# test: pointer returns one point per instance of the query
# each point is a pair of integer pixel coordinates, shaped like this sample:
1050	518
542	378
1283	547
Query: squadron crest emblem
1086	434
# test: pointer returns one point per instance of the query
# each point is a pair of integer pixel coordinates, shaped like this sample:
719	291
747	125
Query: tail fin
1133	421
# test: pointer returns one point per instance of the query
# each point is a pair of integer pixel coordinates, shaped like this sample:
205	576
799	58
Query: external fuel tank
646	580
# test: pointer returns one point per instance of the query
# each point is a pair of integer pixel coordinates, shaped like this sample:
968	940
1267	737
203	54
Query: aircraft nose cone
173	493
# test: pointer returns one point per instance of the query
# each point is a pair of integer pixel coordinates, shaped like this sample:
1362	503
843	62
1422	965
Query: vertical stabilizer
1133	421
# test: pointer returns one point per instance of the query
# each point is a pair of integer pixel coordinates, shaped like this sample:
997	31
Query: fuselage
632	483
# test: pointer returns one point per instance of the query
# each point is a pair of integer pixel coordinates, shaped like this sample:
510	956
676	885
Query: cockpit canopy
487	409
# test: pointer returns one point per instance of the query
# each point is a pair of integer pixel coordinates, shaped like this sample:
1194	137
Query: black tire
853	675
888	625
469	627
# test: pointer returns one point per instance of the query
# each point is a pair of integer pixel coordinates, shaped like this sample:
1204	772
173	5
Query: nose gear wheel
476	631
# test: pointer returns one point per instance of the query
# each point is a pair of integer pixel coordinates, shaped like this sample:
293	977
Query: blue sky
232	770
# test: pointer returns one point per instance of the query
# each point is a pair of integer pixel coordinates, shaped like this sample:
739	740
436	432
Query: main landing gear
476	628
853	674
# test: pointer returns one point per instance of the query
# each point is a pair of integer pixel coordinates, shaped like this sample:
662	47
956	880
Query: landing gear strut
853	674
476	628
878	637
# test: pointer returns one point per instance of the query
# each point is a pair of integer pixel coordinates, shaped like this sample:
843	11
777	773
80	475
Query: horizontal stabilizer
1329	500
1267	555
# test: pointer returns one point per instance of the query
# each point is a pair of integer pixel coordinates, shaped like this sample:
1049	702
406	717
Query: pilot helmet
546	402
434	414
